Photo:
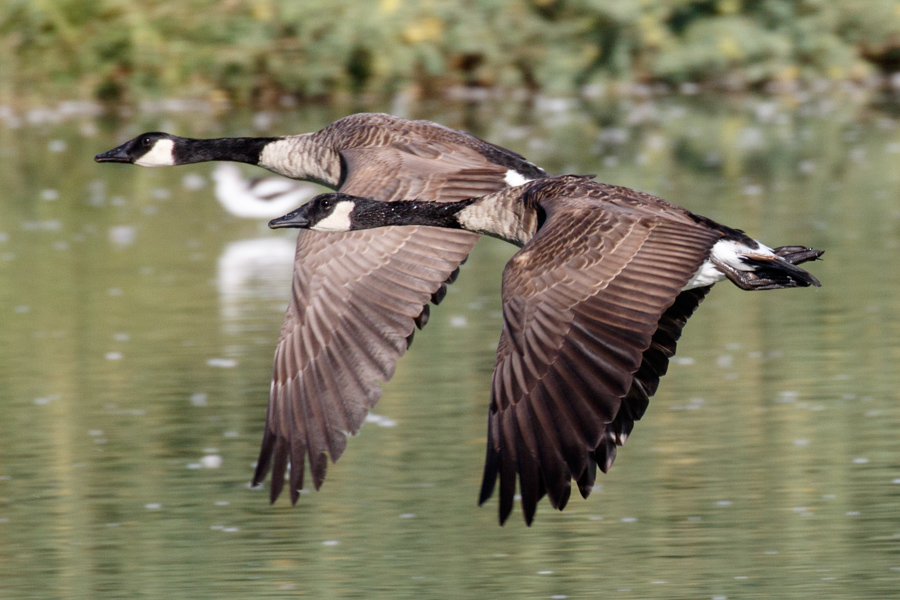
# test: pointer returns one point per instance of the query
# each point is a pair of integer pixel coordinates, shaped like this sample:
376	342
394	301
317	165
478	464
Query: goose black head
152	149
326	212
337	212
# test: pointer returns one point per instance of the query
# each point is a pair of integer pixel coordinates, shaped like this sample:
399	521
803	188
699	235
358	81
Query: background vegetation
261	51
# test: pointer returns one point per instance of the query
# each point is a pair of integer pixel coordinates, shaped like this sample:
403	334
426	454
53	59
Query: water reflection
252	272
256	270
133	388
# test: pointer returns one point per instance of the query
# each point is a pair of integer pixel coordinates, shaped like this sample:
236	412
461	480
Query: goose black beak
117	154
296	219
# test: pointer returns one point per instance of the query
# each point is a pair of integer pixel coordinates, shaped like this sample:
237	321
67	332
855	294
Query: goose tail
772	270
797	254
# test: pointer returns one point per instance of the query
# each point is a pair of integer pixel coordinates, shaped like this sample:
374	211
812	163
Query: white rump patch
514	178
730	253
338	220
162	154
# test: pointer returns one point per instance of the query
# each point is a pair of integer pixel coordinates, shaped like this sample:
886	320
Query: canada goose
356	298
593	305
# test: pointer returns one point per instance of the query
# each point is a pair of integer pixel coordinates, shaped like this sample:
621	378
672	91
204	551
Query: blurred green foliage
257	51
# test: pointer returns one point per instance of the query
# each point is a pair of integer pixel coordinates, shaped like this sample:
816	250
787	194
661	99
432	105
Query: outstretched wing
356	300
590	320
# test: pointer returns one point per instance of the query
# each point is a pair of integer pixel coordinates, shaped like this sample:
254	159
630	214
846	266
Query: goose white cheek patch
337	221
162	154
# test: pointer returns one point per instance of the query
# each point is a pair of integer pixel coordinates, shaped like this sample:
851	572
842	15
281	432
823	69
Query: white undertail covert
729	252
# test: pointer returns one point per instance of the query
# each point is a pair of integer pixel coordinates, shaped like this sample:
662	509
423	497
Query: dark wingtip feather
605	453
422	319
529	516
439	294
453	275
530	480
491	464
264	460
279	466
507	485
298	456
318	464
563	496
588	476
487	485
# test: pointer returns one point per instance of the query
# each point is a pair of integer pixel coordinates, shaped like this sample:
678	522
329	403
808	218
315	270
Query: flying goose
593	305
356	298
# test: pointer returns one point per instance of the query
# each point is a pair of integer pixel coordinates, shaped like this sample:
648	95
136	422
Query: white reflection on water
250	272
255	270
380	420
259	198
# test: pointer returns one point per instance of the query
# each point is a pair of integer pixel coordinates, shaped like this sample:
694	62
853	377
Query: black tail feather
772	273
778	273
798	254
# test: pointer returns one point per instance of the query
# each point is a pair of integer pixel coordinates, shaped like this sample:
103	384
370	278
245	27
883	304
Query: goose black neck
245	150
411	212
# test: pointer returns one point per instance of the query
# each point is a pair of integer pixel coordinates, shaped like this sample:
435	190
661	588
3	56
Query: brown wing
586	336
356	300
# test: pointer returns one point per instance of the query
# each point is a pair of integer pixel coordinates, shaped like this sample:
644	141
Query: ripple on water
211	461
458	321
380	420
193	182
222	363
122	235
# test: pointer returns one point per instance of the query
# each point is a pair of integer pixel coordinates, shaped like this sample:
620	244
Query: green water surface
136	339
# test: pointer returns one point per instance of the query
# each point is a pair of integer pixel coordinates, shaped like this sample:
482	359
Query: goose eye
146	141
326	203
